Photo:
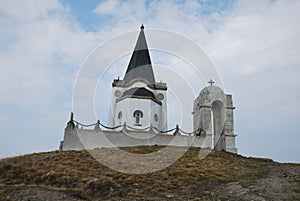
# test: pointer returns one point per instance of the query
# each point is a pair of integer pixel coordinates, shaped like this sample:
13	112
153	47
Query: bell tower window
138	114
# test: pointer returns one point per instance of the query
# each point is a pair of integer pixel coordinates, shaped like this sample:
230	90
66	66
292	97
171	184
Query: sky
254	44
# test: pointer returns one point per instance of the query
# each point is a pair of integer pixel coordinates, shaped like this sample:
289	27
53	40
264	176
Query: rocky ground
281	183
76	175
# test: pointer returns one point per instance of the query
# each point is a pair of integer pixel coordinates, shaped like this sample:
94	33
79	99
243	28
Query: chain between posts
198	132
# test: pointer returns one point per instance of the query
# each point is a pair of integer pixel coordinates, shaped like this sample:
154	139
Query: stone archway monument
213	114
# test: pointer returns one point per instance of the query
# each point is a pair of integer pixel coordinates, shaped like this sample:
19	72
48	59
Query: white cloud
37	64
107	7
41	48
26	11
260	37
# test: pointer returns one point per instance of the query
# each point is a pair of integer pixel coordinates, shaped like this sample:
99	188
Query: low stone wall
79	139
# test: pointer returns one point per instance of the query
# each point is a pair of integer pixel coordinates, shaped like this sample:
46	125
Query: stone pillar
124	129
151	130
70	124
97	126
177	132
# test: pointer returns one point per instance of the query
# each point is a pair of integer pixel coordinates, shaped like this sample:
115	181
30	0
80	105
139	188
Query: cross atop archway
211	82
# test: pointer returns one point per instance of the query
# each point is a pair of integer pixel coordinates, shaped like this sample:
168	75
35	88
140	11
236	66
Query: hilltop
75	175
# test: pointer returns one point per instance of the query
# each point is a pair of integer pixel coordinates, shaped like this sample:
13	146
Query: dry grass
78	174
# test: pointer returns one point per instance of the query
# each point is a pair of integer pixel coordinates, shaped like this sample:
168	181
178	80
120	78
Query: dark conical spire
140	62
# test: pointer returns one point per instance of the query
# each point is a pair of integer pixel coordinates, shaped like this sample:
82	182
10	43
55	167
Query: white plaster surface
79	139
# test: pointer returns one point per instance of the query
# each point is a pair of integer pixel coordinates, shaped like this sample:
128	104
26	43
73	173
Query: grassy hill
75	175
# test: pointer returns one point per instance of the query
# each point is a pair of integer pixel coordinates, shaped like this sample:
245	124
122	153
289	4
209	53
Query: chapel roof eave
139	93
139	97
156	85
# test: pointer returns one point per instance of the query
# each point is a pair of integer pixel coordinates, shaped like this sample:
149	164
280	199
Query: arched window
138	114
120	115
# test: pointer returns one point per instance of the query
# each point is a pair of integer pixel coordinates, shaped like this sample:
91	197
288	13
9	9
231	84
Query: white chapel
138	100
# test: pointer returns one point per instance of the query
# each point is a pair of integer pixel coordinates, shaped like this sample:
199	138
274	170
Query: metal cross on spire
211	82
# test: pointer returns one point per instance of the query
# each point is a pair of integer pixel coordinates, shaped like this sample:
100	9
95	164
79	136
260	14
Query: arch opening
217	124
